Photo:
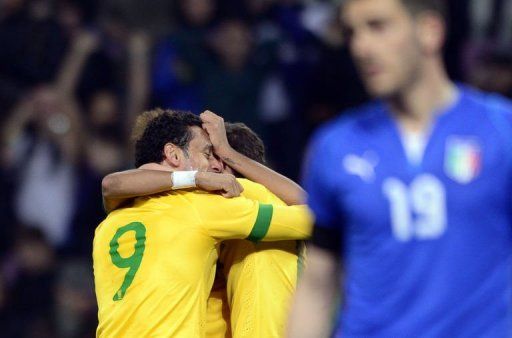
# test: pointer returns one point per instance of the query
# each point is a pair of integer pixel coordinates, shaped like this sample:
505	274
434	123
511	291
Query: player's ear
172	154
431	32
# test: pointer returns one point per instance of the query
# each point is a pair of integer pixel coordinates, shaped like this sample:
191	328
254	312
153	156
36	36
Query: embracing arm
243	218
287	190
283	187
119	187
153	178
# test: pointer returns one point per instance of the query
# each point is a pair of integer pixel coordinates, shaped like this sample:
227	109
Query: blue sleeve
318	182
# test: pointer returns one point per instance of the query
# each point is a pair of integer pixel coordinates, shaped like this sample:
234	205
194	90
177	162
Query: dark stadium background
73	74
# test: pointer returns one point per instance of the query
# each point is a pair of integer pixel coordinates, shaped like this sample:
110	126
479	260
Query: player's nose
216	165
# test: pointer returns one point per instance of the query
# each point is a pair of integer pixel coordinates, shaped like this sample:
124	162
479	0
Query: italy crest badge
463	157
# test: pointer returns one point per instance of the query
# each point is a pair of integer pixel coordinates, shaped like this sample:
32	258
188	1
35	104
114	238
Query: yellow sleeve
286	221
242	218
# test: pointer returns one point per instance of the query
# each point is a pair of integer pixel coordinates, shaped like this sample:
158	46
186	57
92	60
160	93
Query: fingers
208	114
239	186
214	126
210	117
232	188
229	194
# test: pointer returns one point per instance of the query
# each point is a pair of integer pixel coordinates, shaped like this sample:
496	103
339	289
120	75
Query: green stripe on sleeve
260	228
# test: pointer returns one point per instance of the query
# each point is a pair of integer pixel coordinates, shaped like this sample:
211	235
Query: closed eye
377	24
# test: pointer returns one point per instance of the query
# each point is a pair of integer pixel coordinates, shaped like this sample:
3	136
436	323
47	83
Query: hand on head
213	124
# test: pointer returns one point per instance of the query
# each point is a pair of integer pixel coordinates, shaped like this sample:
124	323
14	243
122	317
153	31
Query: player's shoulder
194	205
252	190
167	203
487	109
156	204
159	201
203	201
258	192
248	184
489	105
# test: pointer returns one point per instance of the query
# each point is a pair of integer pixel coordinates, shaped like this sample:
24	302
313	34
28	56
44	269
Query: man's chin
379	91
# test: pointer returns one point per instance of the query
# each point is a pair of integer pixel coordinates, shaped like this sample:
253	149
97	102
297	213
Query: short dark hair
155	128
418	6
244	140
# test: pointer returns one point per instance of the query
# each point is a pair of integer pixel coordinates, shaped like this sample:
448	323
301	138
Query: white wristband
183	179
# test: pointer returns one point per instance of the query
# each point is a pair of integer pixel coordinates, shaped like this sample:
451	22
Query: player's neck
416	106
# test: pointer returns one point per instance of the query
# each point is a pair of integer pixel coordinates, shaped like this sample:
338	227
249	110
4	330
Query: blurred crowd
75	73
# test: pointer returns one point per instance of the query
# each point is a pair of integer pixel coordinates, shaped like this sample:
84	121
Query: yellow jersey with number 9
154	262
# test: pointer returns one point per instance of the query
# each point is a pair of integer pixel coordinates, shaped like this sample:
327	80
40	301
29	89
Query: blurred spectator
296	55
231	80
489	37
30	285
104	113
175	78
45	139
71	17
154	17
492	71
491	19
334	84
99	61
33	45
75	310
298	51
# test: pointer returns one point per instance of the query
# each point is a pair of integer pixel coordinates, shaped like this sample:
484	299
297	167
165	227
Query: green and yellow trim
262	224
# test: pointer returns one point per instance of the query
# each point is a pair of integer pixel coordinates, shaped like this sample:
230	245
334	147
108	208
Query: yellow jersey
154	262
261	277
218	324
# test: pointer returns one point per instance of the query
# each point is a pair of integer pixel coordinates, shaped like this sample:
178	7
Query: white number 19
418	210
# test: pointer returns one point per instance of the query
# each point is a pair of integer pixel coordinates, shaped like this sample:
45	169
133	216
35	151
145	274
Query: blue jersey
426	246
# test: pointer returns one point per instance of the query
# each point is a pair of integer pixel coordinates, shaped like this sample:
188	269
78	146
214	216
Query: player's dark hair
418	6
244	140
155	128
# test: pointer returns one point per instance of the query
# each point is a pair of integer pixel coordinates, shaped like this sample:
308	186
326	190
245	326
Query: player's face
381	37
200	153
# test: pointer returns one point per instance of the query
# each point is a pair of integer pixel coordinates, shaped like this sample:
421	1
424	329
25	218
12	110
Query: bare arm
283	187
312	311
69	75
121	186
71	141
153	178
139	46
